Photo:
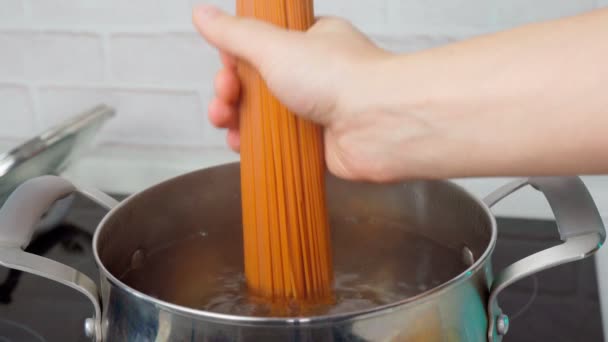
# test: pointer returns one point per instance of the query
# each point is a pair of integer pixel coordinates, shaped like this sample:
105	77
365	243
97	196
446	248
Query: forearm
533	100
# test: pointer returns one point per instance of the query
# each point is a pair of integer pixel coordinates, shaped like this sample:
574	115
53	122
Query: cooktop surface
560	304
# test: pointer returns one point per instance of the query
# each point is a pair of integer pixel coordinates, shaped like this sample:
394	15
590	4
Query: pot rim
306	320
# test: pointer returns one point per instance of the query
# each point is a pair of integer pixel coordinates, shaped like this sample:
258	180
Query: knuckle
330	23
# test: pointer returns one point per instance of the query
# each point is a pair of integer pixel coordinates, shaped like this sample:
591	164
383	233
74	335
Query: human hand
466	109
327	74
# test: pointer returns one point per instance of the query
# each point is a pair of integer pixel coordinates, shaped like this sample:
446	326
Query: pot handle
18	218
580	228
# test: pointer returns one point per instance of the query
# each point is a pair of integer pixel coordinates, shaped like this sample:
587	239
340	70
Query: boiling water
195	272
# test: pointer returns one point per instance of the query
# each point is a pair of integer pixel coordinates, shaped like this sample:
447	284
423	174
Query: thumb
243	37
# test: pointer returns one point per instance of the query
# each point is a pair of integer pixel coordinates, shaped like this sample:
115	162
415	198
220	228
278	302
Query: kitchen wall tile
51	56
17	118
144	117
12	57
12	13
180	57
64	56
518	12
106	13
439	16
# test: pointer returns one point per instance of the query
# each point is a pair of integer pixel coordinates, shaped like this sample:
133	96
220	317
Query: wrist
443	128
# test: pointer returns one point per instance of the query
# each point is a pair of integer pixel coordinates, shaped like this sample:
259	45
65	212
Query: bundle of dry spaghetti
286	231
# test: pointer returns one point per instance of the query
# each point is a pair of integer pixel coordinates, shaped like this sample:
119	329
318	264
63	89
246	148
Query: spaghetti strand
286	235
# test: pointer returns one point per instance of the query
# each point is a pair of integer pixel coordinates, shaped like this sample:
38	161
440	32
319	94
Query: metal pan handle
18	218
580	228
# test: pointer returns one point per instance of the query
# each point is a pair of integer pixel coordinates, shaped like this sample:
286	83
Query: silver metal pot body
461	308
458	314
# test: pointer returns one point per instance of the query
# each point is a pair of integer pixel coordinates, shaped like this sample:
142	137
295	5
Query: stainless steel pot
462	308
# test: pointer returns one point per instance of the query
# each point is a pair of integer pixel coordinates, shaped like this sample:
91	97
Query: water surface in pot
195	273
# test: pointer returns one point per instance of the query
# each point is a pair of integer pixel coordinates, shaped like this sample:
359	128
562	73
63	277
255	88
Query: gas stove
559	304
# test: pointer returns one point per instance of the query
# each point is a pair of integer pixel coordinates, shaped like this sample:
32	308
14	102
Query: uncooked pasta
286	230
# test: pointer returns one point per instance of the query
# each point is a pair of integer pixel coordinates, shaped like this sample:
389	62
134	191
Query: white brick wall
17	114
441	15
51	56
13	12
12	59
147	117
60	57
516	12
162	58
106	14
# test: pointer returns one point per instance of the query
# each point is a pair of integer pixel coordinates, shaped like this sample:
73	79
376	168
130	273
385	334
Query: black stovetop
36	309
560	304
